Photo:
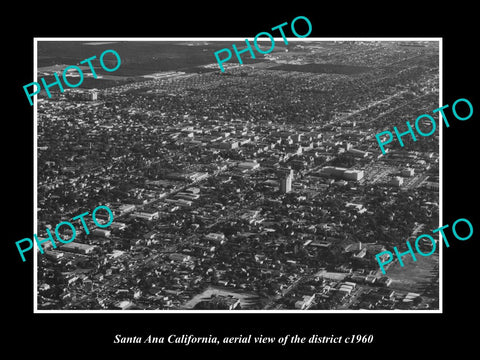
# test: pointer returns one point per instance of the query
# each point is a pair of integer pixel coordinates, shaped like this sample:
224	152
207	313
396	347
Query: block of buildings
78	248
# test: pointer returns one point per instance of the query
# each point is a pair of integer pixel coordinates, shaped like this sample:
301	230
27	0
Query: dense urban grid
262	187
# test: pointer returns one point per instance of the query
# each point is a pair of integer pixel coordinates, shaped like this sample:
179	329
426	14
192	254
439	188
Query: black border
89	333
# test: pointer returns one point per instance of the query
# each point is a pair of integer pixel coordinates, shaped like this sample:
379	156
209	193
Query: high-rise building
286	182
93	95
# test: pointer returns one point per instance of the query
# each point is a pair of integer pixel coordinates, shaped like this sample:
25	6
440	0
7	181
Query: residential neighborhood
261	188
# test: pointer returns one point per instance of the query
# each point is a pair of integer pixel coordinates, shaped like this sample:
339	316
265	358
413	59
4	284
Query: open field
414	276
141	57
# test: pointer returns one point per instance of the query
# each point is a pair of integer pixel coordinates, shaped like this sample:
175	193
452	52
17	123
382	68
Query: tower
286	182
93	95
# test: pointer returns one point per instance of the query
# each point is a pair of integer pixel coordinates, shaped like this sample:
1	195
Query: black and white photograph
261	187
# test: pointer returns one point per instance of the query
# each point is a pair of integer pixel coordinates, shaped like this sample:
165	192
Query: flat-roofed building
144	215
248	165
117	226
101	232
126	208
353	175
78	248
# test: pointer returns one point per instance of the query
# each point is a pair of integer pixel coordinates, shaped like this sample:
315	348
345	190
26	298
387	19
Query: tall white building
286	182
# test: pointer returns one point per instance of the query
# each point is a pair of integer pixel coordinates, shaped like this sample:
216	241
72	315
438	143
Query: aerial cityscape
258	188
